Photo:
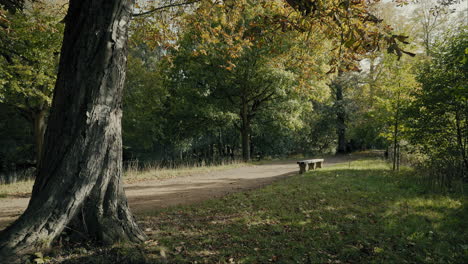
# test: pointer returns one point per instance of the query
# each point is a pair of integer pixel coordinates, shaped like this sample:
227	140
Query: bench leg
311	166
319	165
302	168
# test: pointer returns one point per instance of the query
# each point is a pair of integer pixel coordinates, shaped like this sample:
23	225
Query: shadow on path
188	193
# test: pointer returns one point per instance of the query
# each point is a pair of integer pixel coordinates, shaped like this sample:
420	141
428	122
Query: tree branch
259	102
262	93
156	9
4	53
7	57
24	112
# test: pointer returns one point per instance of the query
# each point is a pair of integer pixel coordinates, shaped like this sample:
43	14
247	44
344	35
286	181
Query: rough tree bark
39	127
396	124
340	116
245	129
461	144
79	179
245	144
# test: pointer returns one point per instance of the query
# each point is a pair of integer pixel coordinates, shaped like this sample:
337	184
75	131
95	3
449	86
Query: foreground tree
80	175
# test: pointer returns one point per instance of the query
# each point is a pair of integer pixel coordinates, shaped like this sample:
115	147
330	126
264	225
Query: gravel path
150	195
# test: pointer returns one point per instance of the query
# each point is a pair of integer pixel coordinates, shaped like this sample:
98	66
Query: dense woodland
210	82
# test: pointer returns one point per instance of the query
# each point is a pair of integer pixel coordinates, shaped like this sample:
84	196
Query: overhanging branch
156	9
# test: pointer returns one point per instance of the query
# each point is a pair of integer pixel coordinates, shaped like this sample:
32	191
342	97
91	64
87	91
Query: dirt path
151	195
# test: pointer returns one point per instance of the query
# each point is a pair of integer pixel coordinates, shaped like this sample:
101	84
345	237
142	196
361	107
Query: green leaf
39	261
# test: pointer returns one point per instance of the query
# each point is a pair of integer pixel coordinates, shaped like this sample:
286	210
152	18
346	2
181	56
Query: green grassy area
157	173
17	189
357	212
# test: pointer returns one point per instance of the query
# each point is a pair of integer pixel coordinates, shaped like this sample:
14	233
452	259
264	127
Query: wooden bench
313	164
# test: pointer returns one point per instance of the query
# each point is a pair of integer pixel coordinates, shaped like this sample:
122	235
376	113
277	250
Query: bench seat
312	163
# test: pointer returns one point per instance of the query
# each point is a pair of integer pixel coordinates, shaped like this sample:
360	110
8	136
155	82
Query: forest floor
146	195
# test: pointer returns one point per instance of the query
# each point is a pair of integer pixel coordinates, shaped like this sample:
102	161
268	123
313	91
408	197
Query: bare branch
156	9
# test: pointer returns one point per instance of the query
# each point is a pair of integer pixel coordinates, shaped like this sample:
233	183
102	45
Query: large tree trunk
245	130
396	140
80	173
340	116
461	143
245	144
39	127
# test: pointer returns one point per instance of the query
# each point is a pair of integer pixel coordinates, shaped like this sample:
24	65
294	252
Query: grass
157	173
357	212
131	175
17	189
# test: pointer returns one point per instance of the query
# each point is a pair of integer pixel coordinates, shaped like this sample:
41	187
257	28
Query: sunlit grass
362	164
357	212
360	212
158	173
17	189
